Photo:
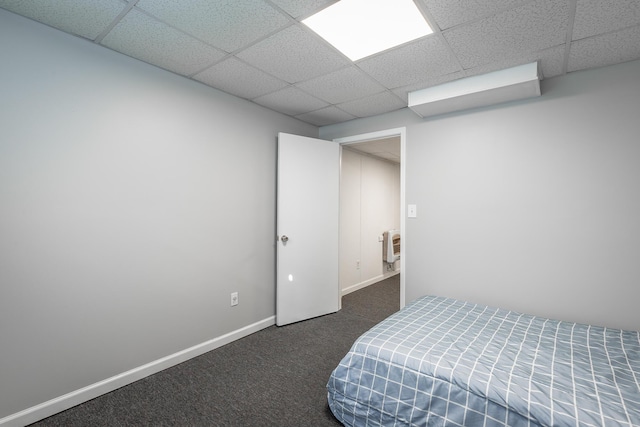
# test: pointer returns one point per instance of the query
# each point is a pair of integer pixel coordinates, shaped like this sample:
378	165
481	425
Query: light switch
412	211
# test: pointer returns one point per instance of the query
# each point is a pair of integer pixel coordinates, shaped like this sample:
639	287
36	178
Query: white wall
369	205
132	202
533	205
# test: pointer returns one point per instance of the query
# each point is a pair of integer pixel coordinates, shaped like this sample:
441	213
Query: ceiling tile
267	55
533	27
294	55
225	24
85	18
411	63
448	13
604	50
303	8
342	85
551	63
373	105
390	145
145	38
291	101
387	148
326	116
602	16
232	75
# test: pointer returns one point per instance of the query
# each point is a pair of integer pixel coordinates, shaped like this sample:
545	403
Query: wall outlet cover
234	299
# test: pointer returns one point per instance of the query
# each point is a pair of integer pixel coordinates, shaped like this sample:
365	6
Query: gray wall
532	206
132	202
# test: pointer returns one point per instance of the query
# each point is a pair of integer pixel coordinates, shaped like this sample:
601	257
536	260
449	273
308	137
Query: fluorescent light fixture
493	88
359	28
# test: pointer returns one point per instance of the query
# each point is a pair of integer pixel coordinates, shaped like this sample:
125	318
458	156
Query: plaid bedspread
443	362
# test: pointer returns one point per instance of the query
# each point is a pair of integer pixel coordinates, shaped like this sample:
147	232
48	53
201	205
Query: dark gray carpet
274	377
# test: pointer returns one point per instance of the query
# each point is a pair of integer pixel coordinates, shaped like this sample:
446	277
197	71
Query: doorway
367	266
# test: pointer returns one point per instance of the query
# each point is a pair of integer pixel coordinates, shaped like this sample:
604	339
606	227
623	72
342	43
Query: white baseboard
366	283
59	404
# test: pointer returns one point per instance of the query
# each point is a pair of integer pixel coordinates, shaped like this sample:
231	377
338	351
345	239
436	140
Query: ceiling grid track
573	4
115	22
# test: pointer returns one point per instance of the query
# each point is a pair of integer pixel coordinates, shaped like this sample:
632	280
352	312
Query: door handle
284	239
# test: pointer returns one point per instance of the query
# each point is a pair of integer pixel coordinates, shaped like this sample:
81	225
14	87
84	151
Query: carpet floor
274	377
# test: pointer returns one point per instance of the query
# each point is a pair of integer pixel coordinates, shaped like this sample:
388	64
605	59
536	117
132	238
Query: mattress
444	362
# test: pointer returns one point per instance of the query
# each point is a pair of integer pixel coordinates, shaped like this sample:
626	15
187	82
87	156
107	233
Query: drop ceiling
384	148
260	51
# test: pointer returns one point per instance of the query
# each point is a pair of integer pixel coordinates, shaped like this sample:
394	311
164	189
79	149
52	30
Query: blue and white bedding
443	362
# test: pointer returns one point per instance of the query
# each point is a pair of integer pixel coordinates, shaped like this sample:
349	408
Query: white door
307	226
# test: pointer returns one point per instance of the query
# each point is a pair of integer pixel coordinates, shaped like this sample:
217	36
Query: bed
444	362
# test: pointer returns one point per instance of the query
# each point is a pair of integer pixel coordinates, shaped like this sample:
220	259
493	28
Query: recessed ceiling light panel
359	28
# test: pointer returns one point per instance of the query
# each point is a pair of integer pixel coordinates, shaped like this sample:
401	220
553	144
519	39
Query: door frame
402	133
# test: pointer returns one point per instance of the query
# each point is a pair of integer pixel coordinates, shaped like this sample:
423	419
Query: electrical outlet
234	298
358	264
